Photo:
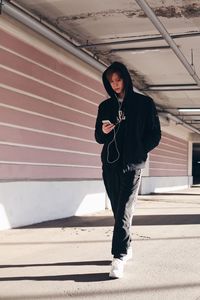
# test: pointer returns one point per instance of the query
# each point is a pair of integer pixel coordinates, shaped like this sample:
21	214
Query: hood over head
121	68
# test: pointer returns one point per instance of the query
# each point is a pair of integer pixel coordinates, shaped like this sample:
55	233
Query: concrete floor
70	258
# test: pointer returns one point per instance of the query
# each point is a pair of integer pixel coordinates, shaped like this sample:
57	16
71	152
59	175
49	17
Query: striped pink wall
48	112
170	158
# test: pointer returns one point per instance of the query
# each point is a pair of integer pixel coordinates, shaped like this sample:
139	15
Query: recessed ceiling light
189	109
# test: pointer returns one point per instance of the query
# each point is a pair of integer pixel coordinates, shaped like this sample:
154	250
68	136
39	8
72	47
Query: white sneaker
117	268
129	254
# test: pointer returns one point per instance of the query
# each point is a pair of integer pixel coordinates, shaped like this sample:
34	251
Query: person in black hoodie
128	126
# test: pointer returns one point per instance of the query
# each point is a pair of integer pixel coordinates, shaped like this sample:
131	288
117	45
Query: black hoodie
135	136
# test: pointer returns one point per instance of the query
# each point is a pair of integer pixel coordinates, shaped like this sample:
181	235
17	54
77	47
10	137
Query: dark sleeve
152	129
100	136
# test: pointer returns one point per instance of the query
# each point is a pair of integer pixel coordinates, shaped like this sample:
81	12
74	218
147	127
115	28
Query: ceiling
158	40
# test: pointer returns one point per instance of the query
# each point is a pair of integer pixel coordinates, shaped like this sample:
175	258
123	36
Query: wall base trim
164	184
26	203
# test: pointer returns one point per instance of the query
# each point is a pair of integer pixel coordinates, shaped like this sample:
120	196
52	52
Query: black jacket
135	136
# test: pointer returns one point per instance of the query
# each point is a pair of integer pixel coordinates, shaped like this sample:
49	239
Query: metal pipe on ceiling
141	49
171	88
160	27
175	85
179	121
191	120
50	35
138	39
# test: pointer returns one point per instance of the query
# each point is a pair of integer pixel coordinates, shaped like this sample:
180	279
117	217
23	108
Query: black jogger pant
122	189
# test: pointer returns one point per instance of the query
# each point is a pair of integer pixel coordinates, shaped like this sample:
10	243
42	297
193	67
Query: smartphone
106	122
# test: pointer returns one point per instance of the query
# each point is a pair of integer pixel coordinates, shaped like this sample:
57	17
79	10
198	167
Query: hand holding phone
106	122
107	126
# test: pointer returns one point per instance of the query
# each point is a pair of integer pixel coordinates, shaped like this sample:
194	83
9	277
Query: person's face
117	84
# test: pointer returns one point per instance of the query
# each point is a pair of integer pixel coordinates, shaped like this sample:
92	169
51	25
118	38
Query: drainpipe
156	22
50	35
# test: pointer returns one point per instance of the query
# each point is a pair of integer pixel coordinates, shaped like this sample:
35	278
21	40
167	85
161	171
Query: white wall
164	184
25	203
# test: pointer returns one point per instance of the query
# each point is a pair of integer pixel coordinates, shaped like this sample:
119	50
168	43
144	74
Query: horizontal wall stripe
20	118
157	165
47	164
165	158
175	144
13	54
169	163
68	102
173	148
166	173
47	110
9	41
44	116
173	139
39	105
58	84
27	83
165	153
15	153
20	136
170	170
34	130
25	172
47	148
169	158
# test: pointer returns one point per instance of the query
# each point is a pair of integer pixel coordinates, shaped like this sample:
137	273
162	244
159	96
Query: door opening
196	163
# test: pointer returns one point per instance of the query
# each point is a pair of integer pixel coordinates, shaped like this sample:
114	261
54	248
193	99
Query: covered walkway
70	258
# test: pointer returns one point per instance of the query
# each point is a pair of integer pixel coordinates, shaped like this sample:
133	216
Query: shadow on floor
88	277
102	221
60	264
175	194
